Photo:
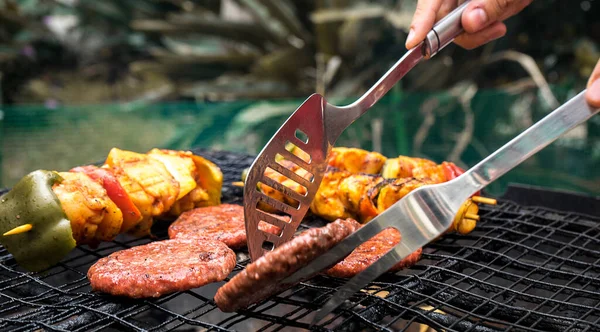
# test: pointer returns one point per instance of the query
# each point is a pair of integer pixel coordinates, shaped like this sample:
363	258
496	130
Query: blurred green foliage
82	51
79	77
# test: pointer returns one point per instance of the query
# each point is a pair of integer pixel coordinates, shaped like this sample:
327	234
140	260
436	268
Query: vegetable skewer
48	213
361	184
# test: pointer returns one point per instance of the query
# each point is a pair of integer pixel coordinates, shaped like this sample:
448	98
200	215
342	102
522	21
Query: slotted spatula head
304	131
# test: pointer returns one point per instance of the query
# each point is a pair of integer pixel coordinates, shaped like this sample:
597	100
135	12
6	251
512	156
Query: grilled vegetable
48	213
359	196
360	184
208	179
94	216
182	168
138	196
151	174
32	202
116	192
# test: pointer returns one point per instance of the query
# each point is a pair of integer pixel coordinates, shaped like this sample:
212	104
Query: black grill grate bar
513	292
428	299
129	311
209	304
36	284
430	317
53	319
462	250
511	313
93	325
184	319
536	269
112	317
525	269
512	276
515	309
395	304
569	297
287	316
242	315
442	299
401	298
31	324
11	282
56	320
519	263
31	312
555	242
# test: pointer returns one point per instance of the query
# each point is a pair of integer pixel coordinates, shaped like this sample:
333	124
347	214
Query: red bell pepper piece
451	171
114	190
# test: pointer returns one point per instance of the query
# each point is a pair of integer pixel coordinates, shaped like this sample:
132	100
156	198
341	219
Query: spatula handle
442	34
444	31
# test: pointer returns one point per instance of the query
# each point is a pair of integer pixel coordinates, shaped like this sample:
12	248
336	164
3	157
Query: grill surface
521	269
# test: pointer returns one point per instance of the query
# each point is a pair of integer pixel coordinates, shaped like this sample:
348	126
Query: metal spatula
313	129
428	211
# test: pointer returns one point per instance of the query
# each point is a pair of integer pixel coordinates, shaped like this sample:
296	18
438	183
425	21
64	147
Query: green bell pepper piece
32	201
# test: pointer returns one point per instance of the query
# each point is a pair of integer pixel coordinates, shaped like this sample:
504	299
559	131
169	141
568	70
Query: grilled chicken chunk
94	217
341	195
419	168
150	174
356	190
359	196
278	177
356	160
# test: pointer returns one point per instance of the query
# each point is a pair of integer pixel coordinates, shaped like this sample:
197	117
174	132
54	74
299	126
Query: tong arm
443	33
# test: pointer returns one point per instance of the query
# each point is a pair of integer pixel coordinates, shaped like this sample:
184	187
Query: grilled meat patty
162	267
263	277
369	252
223	222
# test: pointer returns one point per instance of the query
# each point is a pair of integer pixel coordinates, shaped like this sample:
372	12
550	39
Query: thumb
482	13
593	87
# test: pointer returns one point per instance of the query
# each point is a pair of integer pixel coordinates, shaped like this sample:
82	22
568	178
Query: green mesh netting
439	126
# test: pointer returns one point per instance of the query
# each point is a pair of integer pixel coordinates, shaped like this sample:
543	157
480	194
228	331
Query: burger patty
369	252
162	267
223	222
263	277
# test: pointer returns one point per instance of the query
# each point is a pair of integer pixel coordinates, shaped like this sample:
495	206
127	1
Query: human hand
481	20
592	95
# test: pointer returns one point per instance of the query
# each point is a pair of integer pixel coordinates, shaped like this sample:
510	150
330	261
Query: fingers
480	14
473	40
592	94
481	20
422	21
446	7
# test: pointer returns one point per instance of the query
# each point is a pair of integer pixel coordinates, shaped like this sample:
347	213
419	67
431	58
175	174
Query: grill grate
521	269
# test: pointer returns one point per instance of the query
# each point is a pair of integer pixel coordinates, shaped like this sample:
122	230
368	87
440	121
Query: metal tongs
312	131
421	216
427	212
